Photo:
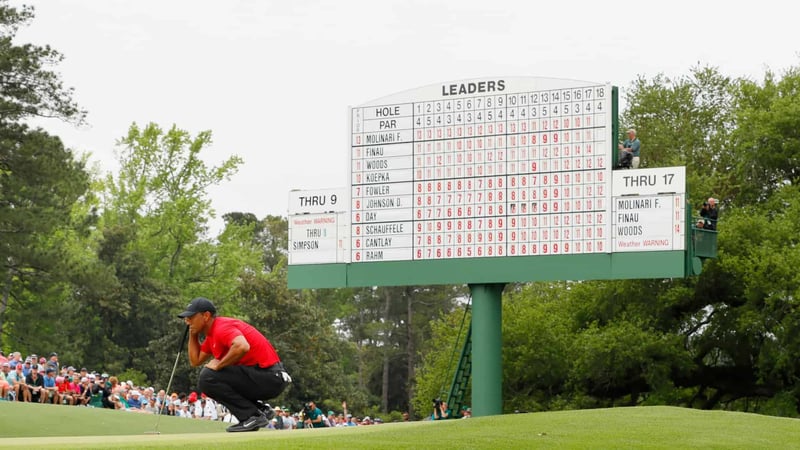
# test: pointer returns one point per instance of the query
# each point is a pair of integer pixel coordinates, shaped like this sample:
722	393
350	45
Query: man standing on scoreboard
632	146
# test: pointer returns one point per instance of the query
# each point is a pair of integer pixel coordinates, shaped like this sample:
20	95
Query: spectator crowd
44	380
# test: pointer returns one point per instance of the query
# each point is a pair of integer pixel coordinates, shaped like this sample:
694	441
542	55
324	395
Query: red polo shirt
225	329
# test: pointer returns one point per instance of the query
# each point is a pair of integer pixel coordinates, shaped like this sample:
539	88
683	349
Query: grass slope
618	428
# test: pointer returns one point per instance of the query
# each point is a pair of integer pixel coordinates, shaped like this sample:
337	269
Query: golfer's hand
213	364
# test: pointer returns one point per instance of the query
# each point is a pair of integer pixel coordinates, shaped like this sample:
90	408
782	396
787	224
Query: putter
169	383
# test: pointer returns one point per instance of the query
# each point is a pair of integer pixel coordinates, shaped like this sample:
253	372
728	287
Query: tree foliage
437	363
161	188
27	85
40	180
767	136
154	220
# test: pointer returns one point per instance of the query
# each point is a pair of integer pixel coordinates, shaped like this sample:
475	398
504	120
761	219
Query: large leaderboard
489	180
482	169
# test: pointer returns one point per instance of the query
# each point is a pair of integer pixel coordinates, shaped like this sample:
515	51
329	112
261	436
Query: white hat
135	392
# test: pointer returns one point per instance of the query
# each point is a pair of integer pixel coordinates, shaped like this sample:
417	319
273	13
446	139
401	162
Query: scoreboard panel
482	169
319	227
488	181
649	209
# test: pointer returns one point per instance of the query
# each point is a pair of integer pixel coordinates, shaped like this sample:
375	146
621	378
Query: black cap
198	305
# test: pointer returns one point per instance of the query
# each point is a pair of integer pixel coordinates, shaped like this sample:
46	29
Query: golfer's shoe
269	413
252	423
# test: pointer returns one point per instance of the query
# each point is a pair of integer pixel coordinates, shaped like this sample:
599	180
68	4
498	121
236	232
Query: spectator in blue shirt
134	400
51	394
632	146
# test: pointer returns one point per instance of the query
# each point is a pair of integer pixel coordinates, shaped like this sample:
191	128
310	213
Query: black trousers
238	387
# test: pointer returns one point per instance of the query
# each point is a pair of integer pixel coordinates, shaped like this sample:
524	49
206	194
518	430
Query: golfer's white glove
286	377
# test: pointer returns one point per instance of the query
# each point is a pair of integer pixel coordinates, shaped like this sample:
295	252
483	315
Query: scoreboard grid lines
492	168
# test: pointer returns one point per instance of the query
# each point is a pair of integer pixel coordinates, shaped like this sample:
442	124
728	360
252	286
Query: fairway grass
658	427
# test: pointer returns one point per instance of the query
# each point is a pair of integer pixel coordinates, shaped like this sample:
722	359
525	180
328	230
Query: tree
537	361
387	325
733	321
437	361
153	236
744	344
271	234
687	121
767	138
40	181
27	87
161	188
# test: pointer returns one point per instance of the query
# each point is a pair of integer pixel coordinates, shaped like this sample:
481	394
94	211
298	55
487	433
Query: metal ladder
458	390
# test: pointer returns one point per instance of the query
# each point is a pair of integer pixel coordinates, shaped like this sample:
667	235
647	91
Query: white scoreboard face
319	227
649	210
482	168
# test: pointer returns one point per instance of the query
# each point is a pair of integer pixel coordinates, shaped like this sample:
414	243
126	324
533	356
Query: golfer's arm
196	357
239	347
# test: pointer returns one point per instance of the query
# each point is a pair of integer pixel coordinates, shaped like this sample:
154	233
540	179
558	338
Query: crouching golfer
245	369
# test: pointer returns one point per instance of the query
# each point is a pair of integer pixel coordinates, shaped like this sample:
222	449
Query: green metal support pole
487	349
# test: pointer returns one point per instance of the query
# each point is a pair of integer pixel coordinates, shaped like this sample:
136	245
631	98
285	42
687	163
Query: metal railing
704	241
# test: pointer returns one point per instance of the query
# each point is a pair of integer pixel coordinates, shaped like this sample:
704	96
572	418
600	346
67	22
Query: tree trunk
410	360
4	303
360	346
386	352
173	261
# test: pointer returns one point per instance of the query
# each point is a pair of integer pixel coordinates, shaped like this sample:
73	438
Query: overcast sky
273	80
